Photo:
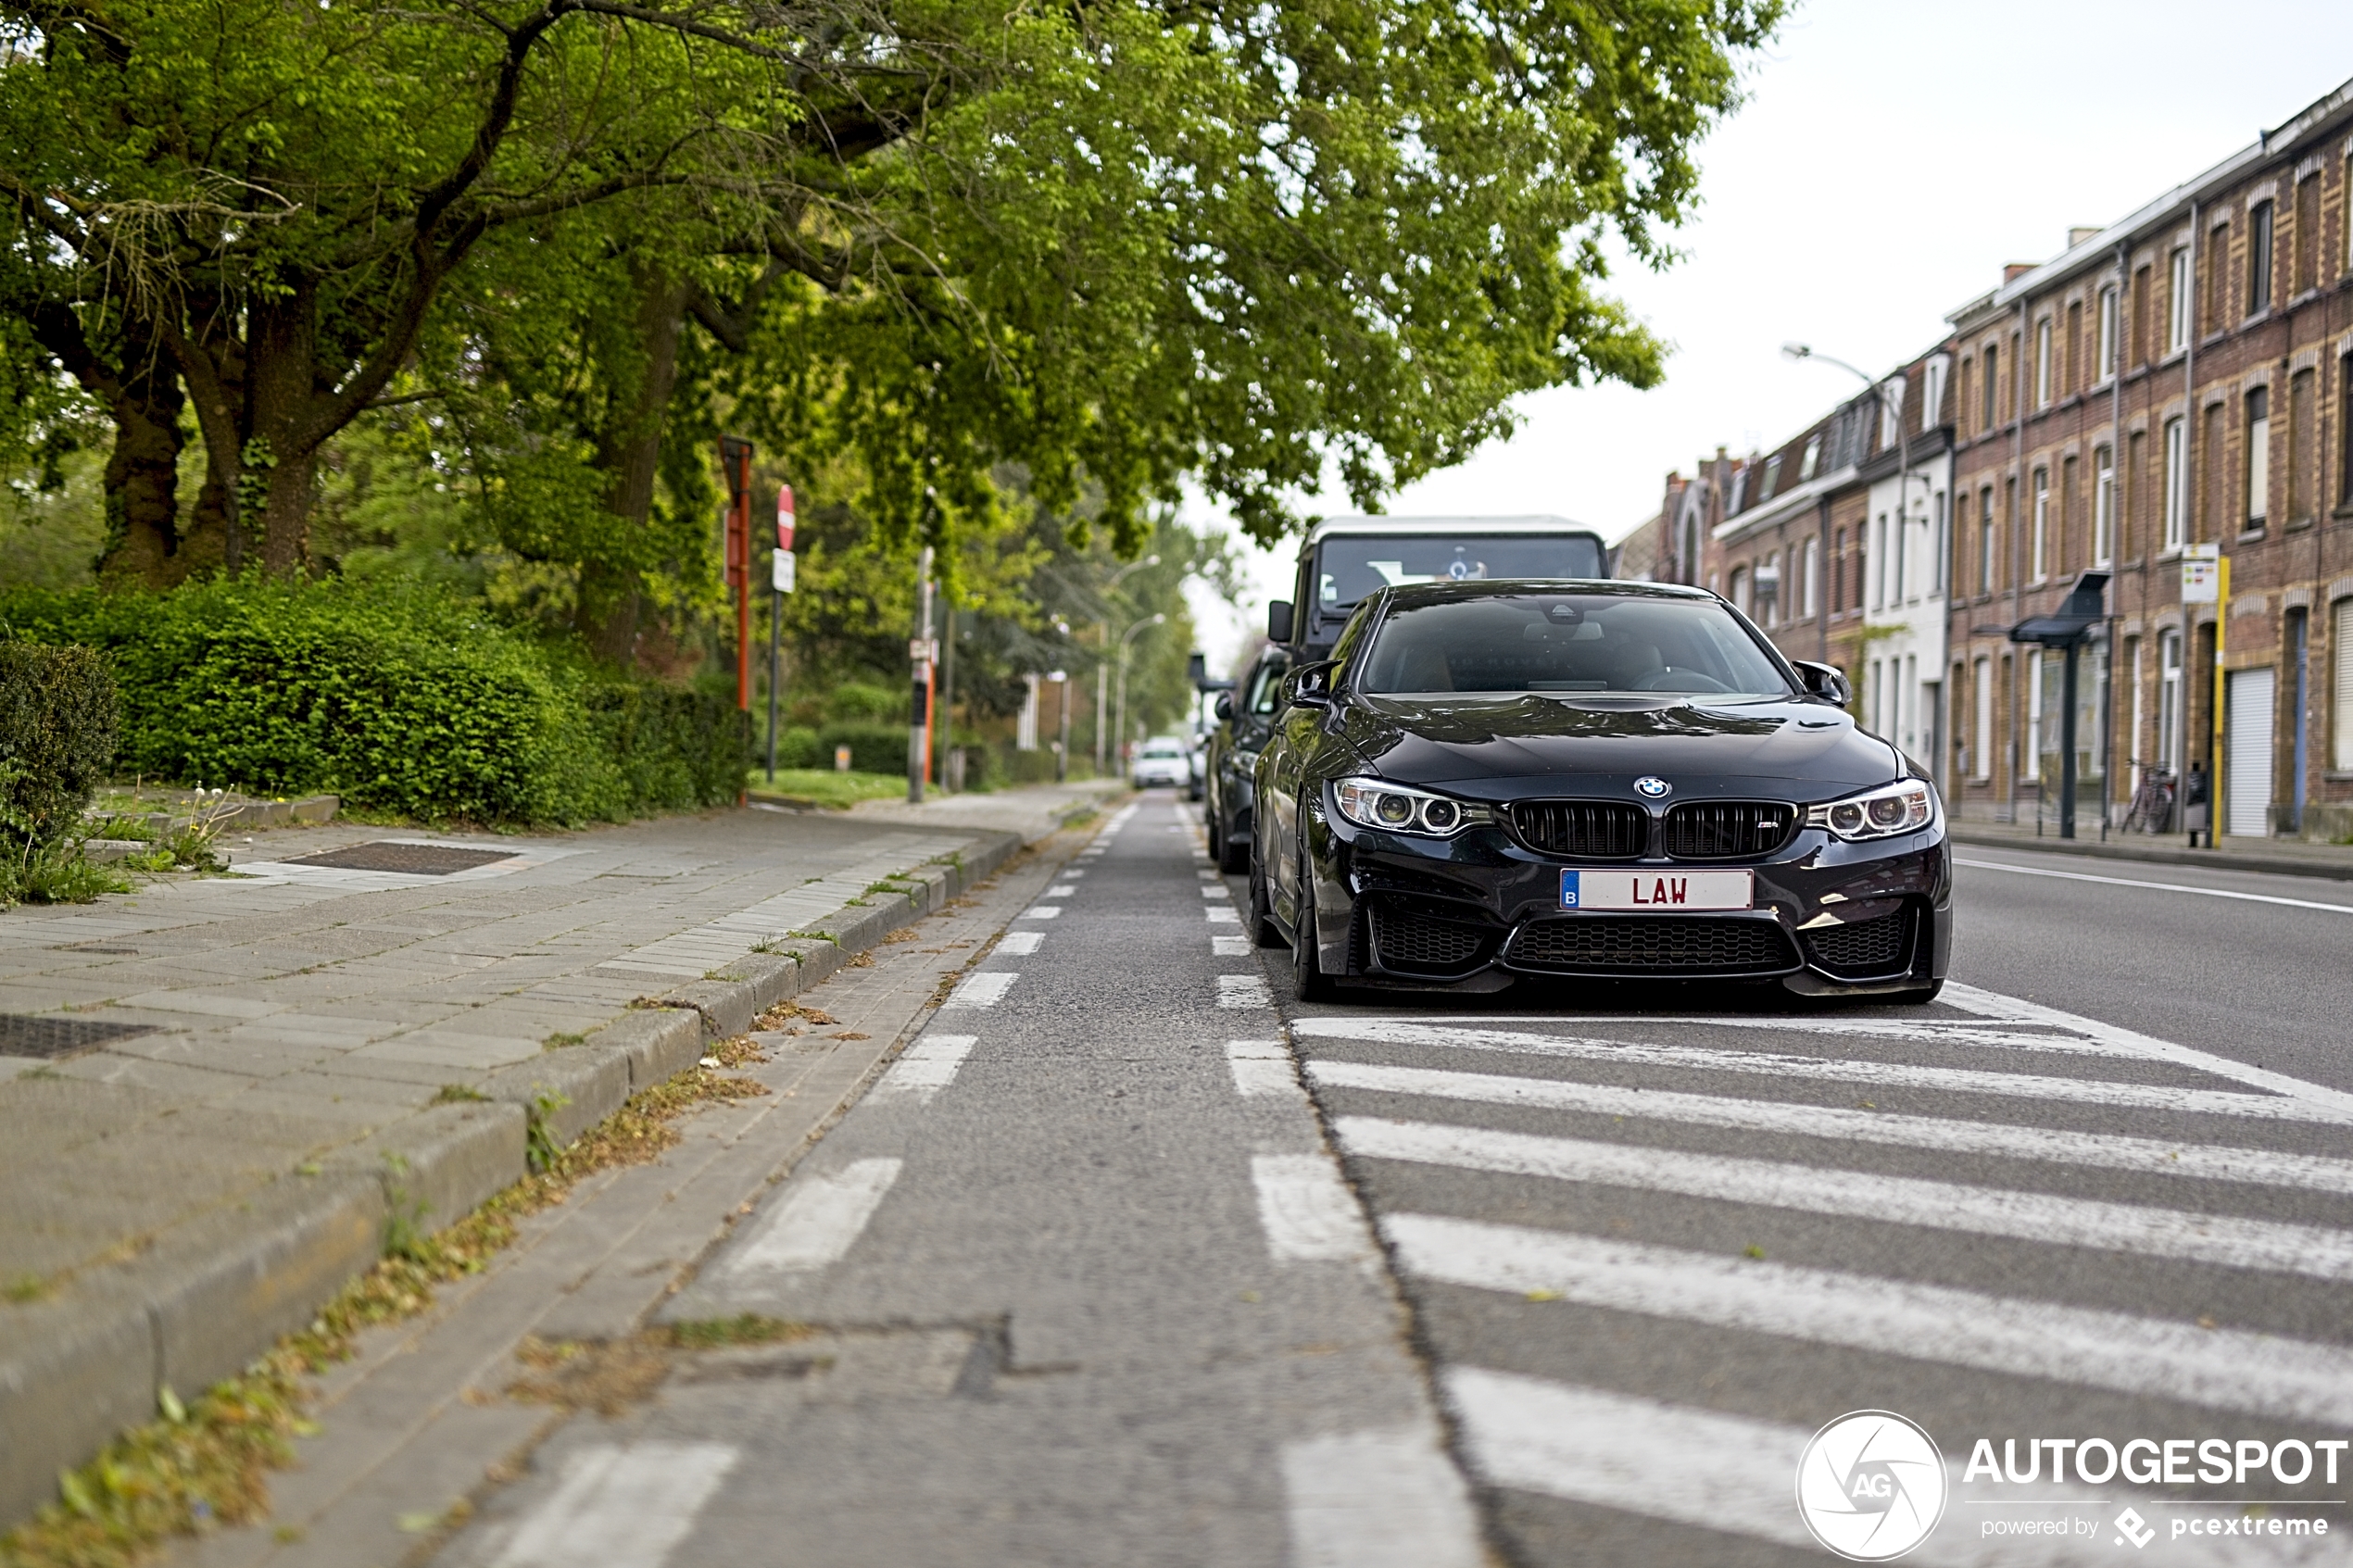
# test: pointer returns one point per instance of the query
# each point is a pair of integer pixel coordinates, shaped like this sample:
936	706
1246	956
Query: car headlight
1375	803
1903	807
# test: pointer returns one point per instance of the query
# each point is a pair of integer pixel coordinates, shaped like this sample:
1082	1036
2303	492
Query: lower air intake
1681	945
1867	946
1406	939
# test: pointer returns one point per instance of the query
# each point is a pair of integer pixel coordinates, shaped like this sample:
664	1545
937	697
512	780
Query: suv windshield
1567	643
1351	568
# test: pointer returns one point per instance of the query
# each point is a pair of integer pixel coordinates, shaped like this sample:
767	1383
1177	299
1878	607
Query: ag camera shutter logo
1871	1486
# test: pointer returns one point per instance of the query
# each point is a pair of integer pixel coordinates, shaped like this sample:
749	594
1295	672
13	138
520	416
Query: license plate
1657	890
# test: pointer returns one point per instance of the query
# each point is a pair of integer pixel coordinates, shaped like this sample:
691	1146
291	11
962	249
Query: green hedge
58	735
873	748
400	701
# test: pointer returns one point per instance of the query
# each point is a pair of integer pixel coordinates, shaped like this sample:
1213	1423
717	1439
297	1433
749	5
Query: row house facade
1835	543
2176	380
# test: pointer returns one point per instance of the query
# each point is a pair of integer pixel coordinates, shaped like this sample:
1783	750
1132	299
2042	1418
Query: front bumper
1830	917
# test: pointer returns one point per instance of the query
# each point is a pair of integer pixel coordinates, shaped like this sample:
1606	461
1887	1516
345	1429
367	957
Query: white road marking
1378	1500
2312	1250
1018	944
2160	886
1220	915
2102	1151
928	1066
1040	911
1068	871
819	1218
1738	1475
1217	890
985	989
620	1507
1261	1067
1307	1211
1229	947
1244	991
2315	1106
2222	1368
1061	890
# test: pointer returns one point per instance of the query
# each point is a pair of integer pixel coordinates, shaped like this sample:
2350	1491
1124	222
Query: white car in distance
1161	762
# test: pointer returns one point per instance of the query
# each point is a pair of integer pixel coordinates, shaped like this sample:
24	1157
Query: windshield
1353	568
1567	643
1164	748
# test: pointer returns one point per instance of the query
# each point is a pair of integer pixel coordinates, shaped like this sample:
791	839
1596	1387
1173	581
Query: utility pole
735	460
1061	750
925	652
1103	661
1148	620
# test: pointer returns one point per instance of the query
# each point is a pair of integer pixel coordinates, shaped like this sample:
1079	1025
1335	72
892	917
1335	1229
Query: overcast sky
1890	158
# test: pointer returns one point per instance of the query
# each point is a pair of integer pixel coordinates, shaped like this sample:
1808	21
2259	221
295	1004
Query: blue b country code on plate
1657	890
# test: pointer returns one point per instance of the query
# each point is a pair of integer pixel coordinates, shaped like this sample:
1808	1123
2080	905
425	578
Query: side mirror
1223	706
1309	685
1197	672
1279	618
1825	682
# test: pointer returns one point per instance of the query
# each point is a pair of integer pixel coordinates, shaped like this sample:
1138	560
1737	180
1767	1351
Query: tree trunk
280	453
641	374
142	480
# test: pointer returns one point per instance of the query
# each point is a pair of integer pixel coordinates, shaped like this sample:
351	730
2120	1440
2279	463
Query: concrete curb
213	1295
2161	855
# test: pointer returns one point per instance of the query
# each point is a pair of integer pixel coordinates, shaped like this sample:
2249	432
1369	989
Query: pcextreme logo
1871	1486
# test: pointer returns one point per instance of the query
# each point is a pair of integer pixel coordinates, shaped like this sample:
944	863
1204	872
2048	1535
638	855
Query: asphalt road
1083	1283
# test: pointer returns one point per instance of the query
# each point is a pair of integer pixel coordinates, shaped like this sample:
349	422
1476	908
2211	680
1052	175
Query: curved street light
1124	637
1102	643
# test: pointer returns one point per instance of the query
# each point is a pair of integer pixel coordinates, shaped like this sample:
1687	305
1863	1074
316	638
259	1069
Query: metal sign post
2205	580
923	653
735	462
780	582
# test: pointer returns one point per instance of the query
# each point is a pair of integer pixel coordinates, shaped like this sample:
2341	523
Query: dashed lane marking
2225	1369
1307	1211
1229	947
1018	944
2102	1151
1244	991
1219	914
2229	1242
928	1066
1040	911
1061	890
620	1506
1261	1067
819	1218
985	989
1378	1500
2160	886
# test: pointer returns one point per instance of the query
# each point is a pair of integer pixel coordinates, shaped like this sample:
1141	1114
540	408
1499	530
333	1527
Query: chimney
2077	236
2013	268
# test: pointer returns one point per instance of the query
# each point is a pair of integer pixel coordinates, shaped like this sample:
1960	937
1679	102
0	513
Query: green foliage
873	748
57	734
404	701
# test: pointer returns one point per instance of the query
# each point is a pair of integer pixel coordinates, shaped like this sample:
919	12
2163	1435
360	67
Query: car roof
1506	587
1378	526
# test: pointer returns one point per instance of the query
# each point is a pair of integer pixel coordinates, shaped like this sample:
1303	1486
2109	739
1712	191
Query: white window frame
2034	710
2108	323
2102	505
2043	363
2259	463
1936	371
2038	555
2341	658
1941	560
1812	578
2178	304
2170	691
1985	539
2177	496
1980	757
1878	565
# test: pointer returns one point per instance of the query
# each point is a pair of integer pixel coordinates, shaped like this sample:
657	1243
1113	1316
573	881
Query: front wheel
1261	918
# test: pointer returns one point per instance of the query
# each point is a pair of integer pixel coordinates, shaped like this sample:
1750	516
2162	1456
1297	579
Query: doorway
2247	793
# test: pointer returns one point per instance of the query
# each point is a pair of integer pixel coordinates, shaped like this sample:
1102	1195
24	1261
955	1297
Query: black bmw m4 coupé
1592	779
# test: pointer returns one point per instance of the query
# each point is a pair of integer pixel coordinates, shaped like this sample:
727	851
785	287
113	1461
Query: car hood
1507	747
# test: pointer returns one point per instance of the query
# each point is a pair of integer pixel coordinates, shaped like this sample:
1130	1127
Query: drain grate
417	860
51	1038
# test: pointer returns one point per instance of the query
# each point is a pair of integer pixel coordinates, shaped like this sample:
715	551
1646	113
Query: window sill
2249	536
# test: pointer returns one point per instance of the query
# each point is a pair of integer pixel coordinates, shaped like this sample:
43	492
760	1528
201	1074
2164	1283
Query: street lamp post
1124	637
1102	657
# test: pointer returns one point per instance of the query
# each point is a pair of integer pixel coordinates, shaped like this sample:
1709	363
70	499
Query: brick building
2176	379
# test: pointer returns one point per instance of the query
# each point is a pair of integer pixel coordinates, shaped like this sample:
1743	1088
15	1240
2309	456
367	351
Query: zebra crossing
1651	1255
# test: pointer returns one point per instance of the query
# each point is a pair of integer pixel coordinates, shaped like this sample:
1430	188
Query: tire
1261	918
1308	982
1216	839
1232	858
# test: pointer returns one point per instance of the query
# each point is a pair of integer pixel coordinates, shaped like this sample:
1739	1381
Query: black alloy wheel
1232	858
1308	980
1264	931
1216	839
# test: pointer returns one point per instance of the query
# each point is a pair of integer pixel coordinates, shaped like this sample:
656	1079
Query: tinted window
1353	568
1568	643
1266	685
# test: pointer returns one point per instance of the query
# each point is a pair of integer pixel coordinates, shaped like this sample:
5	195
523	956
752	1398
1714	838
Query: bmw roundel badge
1652	788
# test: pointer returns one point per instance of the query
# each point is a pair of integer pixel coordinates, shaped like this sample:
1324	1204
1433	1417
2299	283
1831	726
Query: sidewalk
214	1092
2282	856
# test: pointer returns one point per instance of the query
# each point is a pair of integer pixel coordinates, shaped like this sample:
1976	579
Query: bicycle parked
2152	809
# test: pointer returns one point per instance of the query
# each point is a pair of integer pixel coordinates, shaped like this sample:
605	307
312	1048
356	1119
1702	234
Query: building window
2344	414
2039	537
1993	362
1838	572
2258	498
2343	658
2043	363
2177	304
1969	389
1812	578
1878	557
2258	258
2308	233
2218	272
2107	362
2102	505
2134	511
2302	441
2072	376
2177	491
1981	745
1943	546
1809	463
1769	583
1773	478
1985	539
2214	495
1932	390
2169	700
1740	589
2071	499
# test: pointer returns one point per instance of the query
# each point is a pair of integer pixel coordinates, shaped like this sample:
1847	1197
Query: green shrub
797	748
873	748
400	701
58	735
857	702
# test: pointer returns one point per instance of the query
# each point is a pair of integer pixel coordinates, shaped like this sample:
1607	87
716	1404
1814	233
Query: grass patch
744	1328
460	1094
559	1039
206	1463
823	787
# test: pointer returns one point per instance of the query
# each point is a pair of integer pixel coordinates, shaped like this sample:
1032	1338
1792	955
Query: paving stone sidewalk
260	1022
